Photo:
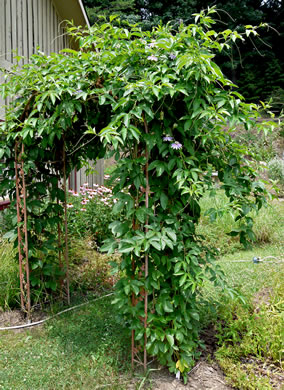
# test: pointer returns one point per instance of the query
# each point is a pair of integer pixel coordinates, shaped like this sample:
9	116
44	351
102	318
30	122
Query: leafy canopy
256	65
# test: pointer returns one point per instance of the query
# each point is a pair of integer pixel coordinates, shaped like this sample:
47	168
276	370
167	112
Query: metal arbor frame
23	250
22	230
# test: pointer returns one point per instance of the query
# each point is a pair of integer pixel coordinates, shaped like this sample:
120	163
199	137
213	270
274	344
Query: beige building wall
26	25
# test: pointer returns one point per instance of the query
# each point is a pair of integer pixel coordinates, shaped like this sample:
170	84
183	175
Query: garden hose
257	260
29	325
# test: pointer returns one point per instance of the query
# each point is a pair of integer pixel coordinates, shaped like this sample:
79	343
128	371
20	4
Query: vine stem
146	254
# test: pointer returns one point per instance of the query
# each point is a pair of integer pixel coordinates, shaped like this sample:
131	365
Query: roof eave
72	10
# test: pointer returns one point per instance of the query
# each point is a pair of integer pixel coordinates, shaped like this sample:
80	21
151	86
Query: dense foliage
256	65
159	103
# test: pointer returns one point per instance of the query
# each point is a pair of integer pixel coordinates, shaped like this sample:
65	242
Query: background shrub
90	271
264	147
276	171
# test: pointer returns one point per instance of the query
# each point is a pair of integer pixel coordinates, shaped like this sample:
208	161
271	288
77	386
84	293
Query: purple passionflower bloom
168	138
176	145
172	56
152	58
78	91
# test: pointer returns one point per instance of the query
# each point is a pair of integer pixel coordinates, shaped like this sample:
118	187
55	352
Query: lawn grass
84	349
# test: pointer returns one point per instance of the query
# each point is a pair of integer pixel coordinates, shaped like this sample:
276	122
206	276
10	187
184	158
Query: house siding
26	25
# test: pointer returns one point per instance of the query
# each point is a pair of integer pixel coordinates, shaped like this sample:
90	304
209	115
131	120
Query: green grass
9	279
84	349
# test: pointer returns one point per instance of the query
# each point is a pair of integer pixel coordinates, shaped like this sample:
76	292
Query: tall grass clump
268	223
276	173
9	279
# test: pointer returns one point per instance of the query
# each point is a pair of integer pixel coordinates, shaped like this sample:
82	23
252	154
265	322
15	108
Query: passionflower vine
176	145
168	138
152	58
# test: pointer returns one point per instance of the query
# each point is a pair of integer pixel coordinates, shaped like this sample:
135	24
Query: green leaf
168	307
11	235
156	244
171	164
126	120
170	339
182	280
127	289
135	289
102	100
171	234
164	200
112	17
194	315
179	336
153	165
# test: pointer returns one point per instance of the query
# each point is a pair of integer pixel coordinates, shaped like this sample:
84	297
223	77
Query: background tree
256	66
126	9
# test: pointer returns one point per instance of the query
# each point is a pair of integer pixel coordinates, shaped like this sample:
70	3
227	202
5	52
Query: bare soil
204	376
16	318
11	318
